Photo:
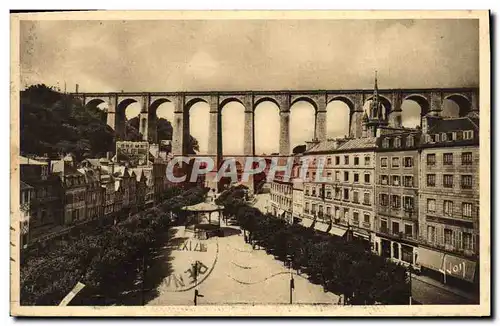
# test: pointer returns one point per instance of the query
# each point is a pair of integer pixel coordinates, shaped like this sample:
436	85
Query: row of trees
341	266
107	261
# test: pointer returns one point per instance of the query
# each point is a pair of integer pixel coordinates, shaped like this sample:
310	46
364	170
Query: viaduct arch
430	100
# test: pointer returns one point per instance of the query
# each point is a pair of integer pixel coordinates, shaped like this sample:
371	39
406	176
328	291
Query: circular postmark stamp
192	261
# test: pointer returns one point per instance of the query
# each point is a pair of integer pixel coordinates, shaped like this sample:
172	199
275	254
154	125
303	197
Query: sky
199	55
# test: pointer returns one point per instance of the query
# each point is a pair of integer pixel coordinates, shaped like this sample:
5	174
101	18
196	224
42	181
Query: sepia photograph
250	163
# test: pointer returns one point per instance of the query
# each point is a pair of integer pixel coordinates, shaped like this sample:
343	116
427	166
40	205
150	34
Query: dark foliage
107	262
54	123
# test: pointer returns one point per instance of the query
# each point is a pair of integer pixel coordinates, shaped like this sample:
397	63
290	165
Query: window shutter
440	235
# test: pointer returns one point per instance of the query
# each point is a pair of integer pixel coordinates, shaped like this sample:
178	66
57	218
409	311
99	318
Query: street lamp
410	275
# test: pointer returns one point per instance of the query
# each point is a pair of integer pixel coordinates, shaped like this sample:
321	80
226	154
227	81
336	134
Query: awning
306	222
320	226
459	267
430	258
335	230
362	234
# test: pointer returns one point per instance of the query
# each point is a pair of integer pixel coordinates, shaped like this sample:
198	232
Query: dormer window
468	134
385	143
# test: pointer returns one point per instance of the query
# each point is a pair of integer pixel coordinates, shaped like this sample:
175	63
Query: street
230	272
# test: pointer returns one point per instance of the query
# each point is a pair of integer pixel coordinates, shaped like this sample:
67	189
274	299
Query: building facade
397	182
449	197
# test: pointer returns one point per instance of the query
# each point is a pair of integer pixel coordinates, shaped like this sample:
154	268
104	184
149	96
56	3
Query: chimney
76	88
108	156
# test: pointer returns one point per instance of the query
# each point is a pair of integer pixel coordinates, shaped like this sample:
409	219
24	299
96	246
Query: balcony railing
366	225
384	229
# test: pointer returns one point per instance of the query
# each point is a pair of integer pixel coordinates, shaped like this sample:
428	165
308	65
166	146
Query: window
448	235
466	182
338	194
346	176
395	201
355	197
395	162
384	200
313	191
384	179
367	177
346	159
367	160
329	161
328	194
448	180
307	191
355	217
366	218
431	180
366	198
467	240
468	134
467	158
408	203
408	162
346	194
448	207
408	230
383	162
444	137
337	175
395	227
410	141
337	160
408	181
328	211
329	175
356	177
431	233
313	208
383	225
397	142
356	160
337	212
447	158
346	214
396	179
385	143
314	175
431	159
467	209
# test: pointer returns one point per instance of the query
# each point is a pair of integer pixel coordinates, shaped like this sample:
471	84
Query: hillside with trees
55	123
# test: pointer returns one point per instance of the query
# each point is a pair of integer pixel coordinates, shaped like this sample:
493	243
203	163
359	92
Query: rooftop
454	124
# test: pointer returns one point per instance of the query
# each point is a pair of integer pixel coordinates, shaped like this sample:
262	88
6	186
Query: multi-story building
297	199
94	195
280	198
26	194
344	197
449	196
397	174
44	206
74	191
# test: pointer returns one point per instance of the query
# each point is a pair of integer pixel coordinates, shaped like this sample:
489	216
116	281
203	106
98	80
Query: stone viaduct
430	100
